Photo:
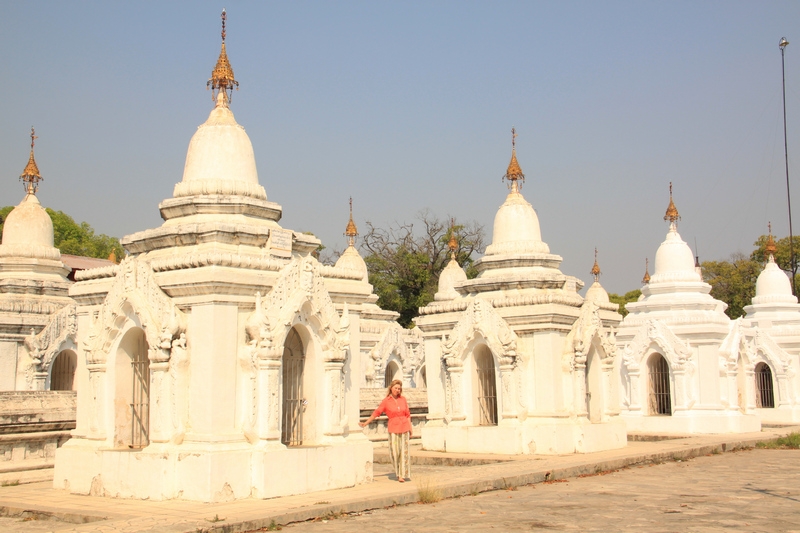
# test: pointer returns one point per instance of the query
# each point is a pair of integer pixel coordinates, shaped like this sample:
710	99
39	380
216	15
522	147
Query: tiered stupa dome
516	225
773	284
676	284
452	275
350	258
518	259
220	158
27	248
596	292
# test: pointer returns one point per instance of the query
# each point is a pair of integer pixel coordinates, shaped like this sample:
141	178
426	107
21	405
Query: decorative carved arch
299	291
676	351
45	346
135	296
762	347
588	330
404	344
480	318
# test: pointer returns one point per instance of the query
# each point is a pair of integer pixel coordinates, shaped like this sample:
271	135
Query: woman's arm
375	414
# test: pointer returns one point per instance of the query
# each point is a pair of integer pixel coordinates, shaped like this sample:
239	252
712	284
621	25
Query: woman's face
396	390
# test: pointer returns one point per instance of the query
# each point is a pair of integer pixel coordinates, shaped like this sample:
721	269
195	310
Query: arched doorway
293	363
486	393
62	376
132	403
765	397
659	397
392	373
422	381
594	387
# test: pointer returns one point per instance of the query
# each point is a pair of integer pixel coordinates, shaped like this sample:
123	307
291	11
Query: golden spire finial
514	173
672	211
30	177
351	232
453	242
770	247
222	80
646	278
596	267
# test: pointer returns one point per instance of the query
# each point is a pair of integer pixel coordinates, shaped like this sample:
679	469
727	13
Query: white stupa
671	346
220	360
770	346
515	354
36	314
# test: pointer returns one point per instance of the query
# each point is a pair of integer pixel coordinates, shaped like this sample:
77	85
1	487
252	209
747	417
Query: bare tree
405	260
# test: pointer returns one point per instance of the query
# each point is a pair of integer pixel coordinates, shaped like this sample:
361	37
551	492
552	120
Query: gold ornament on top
672	212
770	248
646	278
596	268
514	173
453	242
351	232
30	177
222	80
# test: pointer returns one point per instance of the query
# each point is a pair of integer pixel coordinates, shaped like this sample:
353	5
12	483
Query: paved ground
755	490
722	491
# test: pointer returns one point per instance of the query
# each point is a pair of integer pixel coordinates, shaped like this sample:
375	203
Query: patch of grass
10	483
322	503
215	519
273	526
428	492
789	442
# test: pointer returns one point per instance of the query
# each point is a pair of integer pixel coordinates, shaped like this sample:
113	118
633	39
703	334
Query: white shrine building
517	361
767	340
220	360
676	375
37	316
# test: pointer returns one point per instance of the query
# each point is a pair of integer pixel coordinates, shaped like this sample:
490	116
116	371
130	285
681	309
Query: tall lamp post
782	45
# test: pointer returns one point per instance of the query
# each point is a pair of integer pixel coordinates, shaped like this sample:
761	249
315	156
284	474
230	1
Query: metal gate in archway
294	403
487	388
765	397
140	396
659	395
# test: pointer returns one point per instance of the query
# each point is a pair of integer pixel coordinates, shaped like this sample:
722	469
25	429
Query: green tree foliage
405	260
630	296
733	281
76	239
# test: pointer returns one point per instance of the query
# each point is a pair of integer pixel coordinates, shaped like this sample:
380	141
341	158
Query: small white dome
351	259
516	228
452	275
220	159
28	231
773	282
674	260
597	293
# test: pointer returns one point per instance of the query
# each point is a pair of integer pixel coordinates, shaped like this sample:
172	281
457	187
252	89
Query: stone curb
519	475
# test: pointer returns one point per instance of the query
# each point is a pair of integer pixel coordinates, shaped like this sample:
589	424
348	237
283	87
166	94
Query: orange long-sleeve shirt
398	412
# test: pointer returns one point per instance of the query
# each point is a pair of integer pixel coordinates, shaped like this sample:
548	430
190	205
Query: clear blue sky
408	105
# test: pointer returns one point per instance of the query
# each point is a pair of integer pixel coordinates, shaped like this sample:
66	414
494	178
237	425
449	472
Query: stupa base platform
534	436
210	472
693	422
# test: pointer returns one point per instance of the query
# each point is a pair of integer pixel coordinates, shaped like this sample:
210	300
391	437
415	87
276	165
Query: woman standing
399	427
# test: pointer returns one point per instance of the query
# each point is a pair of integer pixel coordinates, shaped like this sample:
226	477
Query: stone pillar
579	386
97	401
635	403
509	387
456	393
212	339
160	412
268	412
334	389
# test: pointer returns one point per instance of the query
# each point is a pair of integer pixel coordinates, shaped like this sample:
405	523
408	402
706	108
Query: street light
782	45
